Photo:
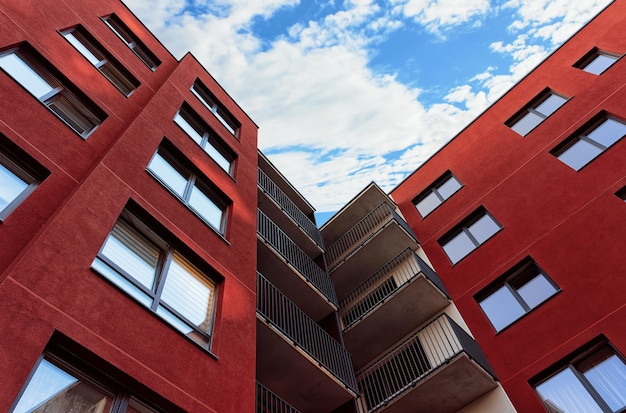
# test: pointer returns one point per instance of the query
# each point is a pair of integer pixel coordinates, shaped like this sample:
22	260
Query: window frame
531	108
194	179
572	363
522	274
434	189
209	139
121	30
116	73
214	106
591	56
463	228
168	248
79	108
582	134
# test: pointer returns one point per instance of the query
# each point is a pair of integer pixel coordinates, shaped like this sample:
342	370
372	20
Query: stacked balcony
269	402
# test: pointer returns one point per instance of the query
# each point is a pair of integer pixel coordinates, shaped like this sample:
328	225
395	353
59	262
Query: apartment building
523	217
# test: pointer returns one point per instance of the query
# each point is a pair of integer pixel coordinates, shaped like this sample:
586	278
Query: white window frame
465	230
535	112
132	41
24	173
211	103
434	190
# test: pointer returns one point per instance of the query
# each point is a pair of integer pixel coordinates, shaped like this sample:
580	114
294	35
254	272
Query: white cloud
438	15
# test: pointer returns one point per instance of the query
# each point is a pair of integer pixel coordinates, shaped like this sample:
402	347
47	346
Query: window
211	103
197	130
437	193
103	61
468	236
594	381
596	61
580	149
19	176
622	194
536	112
123	32
63	99
158	276
192	189
516	293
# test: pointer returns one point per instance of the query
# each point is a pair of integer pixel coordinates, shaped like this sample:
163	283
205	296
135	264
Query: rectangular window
437	193
516	293
596	61
101	59
594	381
469	235
200	133
132	41
46	84
191	188
581	148
536	112
19	176
159	277
211	103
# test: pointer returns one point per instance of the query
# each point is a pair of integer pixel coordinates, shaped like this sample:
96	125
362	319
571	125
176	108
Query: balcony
293	271
268	402
284	212
399	297
440	369
370	243
297	358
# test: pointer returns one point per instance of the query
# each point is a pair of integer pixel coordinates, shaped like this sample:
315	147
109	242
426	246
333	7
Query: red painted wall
571	223
50	240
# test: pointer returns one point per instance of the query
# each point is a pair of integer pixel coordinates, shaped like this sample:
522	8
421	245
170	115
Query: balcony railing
415	359
274	236
399	271
268	402
362	231
274	191
284	315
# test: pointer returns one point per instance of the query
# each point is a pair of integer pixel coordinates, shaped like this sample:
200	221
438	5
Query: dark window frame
592	55
434	189
208	100
621	194
531	107
131	40
108	66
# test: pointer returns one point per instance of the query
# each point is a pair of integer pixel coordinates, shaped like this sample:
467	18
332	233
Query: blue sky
350	92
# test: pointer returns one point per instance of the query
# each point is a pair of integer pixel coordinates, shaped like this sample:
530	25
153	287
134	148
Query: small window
468	236
622	194
516	293
594	381
103	61
580	149
536	112
123	32
436	194
192	189
211	103
159	277
62	98
19	176
200	133
596	61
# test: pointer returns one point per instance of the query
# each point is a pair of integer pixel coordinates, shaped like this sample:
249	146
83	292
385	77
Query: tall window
437	193
211	103
536	112
516	293
469	235
200	133
103	61
132	41
596	61
192	189
593	382
62	98
19	176
580	149
159	277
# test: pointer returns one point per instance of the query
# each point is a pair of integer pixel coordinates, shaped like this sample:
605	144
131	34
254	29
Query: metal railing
419	356
273	235
399	271
284	315
362	231
269	402
269	187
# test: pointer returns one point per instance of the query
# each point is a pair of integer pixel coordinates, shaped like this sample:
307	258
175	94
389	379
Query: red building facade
523	217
